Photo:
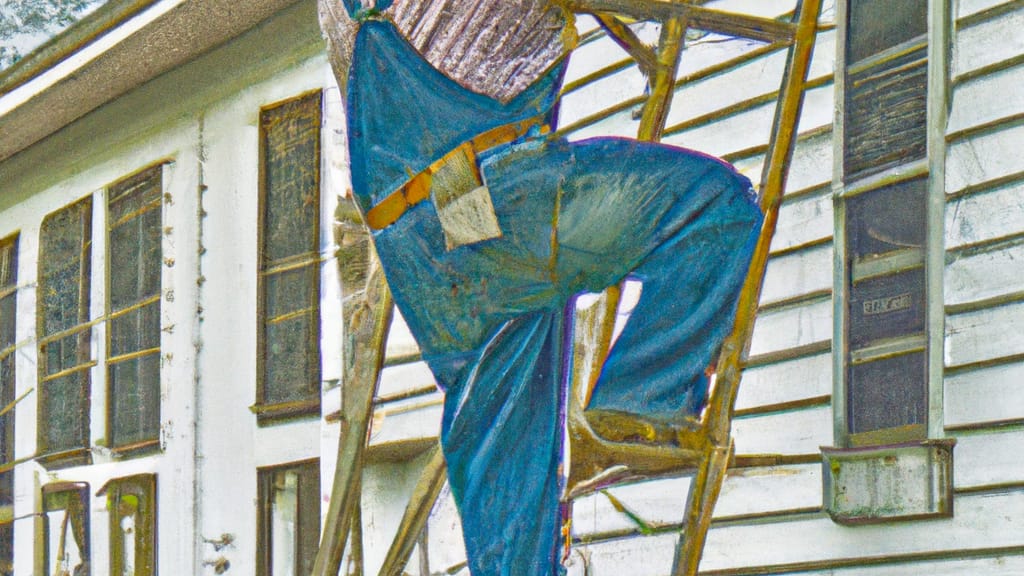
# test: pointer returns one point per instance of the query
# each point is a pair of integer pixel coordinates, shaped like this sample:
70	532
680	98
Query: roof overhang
118	48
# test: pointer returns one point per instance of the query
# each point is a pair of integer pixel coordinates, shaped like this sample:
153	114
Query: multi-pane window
65	529
63	334
885	207
288	360
133	327
132	505
289	519
8	315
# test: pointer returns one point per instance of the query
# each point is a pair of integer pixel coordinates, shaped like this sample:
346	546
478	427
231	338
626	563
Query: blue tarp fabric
491	317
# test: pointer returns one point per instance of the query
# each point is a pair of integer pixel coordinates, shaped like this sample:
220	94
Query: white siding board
763	8
589	57
662	502
995	566
980	159
985	275
988	42
969	7
988	98
985	334
794	432
787	381
982	521
404	377
446	547
601	94
400	339
784	328
407	420
797	274
988	395
985	216
811	166
803	220
987	458
619	124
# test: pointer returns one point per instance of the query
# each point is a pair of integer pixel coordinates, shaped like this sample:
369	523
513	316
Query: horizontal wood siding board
791	432
810	168
974	45
983	522
780	329
402	378
992	394
806	220
1005	561
983	335
410	420
985	215
400	340
979	159
987	100
989	274
787	381
797	273
659	503
988	458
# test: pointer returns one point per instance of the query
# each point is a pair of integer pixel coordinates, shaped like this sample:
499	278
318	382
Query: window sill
866	485
136	449
269	414
65	459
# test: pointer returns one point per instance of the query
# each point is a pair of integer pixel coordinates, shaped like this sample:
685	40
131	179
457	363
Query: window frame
274	412
81	453
48	492
264	522
932	166
8	381
124	187
144	488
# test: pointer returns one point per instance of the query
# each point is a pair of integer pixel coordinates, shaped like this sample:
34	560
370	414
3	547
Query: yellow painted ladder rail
704	450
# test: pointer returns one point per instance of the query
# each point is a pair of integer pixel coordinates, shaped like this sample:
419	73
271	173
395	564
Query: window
132	505
8	316
66	529
891	462
885	220
288	358
64	332
289	519
133	326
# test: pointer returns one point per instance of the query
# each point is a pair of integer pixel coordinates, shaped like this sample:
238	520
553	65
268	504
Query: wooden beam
368	319
416	514
728	23
622	35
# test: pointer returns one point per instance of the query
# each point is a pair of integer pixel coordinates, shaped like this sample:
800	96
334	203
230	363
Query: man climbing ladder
487	229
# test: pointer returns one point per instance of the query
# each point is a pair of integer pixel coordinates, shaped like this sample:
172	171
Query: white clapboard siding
764	8
973	277
982	521
597	52
803	220
788	381
446	548
987	458
792	432
988	98
966	8
793	326
998	565
596	96
992	394
747	492
811	166
417	418
985	334
797	273
983	158
400	340
404	378
988	42
985	216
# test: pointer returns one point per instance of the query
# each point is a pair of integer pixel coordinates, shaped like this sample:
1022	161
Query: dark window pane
135	236
134	403
289	248
291	178
8	317
887	307
886	220
64	412
290	369
888	393
886	116
879	24
63	305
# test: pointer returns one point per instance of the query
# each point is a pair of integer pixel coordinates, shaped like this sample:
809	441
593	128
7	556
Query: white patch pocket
463	202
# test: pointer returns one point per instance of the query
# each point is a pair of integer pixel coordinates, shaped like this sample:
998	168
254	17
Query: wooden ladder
705	451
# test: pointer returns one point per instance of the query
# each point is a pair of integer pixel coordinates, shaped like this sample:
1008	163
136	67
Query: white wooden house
164	407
